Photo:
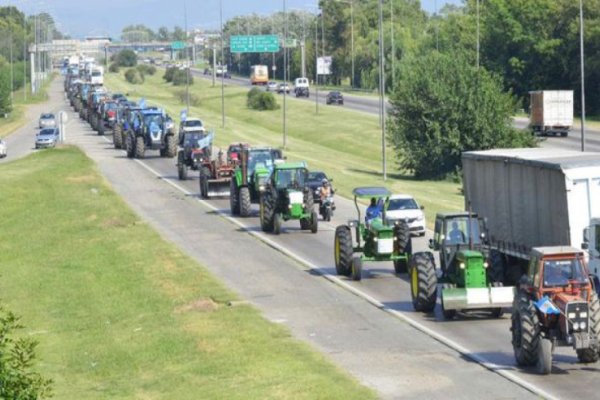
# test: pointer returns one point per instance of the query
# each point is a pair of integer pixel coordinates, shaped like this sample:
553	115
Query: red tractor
215	174
556	305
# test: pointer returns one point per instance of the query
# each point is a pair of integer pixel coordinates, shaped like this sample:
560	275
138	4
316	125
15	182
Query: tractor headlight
290	206
572	315
395	238
462	265
576	326
261	188
582	325
583	314
485	265
375	239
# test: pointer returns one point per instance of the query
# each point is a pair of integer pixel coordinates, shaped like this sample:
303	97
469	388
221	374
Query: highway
367	327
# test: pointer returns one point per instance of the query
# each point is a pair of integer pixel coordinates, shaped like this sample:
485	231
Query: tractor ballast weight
376	240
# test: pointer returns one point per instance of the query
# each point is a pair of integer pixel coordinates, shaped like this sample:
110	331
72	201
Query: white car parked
404	206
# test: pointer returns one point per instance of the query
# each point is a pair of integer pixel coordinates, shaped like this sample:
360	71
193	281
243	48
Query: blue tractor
150	128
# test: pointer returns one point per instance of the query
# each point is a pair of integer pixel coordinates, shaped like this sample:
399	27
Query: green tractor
377	239
255	166
287	196
466	278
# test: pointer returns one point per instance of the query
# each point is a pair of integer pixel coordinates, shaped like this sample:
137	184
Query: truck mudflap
477	298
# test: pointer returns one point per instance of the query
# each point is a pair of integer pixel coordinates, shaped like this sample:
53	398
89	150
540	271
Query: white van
301	87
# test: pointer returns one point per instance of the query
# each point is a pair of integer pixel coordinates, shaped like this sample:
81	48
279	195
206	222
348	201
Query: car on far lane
283	87
405	207
47	120
335	97
191	124
46	137
272	86
2	148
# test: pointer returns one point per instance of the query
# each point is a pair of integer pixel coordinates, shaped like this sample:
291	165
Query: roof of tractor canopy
371	191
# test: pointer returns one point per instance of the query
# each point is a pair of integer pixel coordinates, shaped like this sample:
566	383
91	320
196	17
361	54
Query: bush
114	67
126	58
181	76
181	95
259	100
168	76
134	76
146	69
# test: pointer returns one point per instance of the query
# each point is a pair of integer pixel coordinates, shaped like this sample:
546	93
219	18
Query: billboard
324	65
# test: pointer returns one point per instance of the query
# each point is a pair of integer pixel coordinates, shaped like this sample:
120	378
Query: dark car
335	98
315	181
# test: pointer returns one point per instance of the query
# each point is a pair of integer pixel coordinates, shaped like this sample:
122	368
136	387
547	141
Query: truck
97	76
551	112
534	197
259	75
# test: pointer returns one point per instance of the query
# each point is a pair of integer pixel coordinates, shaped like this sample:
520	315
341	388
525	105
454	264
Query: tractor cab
556	306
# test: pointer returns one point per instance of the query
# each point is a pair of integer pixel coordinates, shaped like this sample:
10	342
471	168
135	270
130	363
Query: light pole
188	70
392	40
477	34
222	69
382	89
285	32
582	75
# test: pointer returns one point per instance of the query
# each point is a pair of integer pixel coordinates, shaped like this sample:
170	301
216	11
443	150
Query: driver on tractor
373	211
456	235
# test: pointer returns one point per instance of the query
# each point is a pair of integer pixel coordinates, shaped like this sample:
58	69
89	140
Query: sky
80	18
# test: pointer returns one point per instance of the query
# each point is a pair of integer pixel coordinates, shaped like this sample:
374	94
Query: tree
441	106
126	58
178	34
137	33
163	34
5	100
17	380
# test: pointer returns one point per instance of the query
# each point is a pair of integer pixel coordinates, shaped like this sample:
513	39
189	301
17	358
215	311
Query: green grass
16	118
120	313
344	143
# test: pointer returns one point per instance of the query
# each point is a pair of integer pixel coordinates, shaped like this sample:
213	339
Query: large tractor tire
356	269
342	250
204	175
423	282
544	364
525	327
130	146
182	168
245	202
314	222
591	355
140	147
266	214
171	150
234	197
100	128
401	266
117	138
277	220
309	201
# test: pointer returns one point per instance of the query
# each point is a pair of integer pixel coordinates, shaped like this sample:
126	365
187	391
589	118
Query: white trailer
551	112
534	198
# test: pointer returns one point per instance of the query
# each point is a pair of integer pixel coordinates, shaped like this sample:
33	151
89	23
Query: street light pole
316	65
222	69
582	75
285	32
477	34
392	39
382	89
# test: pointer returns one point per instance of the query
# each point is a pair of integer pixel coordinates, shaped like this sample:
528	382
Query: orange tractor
556	305
216	174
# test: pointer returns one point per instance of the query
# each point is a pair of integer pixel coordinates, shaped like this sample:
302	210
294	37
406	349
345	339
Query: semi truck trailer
551	112
534	197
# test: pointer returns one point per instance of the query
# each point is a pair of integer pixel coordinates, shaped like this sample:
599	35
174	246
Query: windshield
560	272
45	132
458	231
47	116
193	139
316	176
260	157
153	119
402	204
290	178
192	123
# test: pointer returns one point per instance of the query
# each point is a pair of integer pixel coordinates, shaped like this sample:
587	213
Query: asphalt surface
367	327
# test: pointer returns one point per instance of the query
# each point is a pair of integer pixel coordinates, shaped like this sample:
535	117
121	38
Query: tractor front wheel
401	266
277	224
234	204
129	146
525	327
423	282
140	147
117	138
356	269
402	234
171	146
342	250
181	168
245	202
204	174
544	364
266	214
590	355
314	223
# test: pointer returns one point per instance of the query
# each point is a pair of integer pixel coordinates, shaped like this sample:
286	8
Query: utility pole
24	59
382	88
392	39
222	69
581	52
285	32
316	65
477	34
188	69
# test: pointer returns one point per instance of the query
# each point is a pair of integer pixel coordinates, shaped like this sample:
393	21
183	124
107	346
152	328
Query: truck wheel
314	223
401	266
590	355
244	201
544	364
234	198
140	147
402	234
277	224
423	282
356	273
171	146
342	250
266	214
204	175
525	327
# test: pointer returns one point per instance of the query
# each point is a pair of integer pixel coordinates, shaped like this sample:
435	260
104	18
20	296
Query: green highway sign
177	45
254	44
290	43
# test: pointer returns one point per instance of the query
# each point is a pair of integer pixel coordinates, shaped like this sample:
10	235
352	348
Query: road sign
254	44
177	45
290	43
324	65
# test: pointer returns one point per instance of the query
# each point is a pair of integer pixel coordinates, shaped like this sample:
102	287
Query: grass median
120	313
343	142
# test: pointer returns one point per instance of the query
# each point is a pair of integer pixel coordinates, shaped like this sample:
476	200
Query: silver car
46	138
2	148
47	121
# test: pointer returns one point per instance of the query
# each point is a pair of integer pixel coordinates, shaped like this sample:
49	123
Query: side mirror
586	234
584	246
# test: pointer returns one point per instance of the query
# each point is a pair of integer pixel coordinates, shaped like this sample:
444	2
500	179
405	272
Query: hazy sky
80	18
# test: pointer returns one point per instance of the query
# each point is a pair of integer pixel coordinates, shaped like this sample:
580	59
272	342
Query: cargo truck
534	197
551	112
259	75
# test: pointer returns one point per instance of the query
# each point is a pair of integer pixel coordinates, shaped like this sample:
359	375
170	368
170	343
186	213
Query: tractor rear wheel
234	198
171	150
140	147
342	250
356	272
423	282
401	266
544	364
245	202
590	355
117	139
277	224
204	175
266	214
525	327
314	223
